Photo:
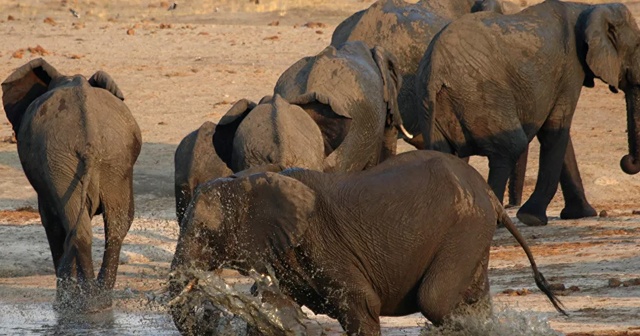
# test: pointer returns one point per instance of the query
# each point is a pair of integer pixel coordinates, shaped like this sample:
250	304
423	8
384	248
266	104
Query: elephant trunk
630	163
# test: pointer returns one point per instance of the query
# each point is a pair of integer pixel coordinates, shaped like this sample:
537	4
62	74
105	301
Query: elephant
476	101
405	30
273	132
77	142
195	162
411	234
336	111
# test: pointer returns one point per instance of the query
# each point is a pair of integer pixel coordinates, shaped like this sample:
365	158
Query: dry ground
180	68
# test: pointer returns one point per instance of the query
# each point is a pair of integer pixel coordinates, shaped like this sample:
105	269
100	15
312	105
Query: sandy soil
180	68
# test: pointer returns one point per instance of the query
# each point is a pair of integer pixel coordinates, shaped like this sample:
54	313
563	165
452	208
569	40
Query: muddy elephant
337	244
351	92
77	143
274	131
405	30
195	162
475	101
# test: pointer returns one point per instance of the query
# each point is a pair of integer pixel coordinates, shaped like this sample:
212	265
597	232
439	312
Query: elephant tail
541	282
85	180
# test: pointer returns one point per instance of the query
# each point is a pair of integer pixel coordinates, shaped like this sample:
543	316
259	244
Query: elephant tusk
405	132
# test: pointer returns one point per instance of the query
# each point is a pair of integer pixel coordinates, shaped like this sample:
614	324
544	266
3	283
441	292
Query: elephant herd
306	184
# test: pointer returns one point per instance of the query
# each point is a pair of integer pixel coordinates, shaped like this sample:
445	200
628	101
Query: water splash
208	305
503	322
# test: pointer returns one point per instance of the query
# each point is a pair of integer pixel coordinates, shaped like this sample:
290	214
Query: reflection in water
41	319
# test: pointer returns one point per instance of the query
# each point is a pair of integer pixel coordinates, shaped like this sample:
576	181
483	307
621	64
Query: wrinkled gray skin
405	30
337	243
351	92
476	101
273	132
77	143
336	111
195	162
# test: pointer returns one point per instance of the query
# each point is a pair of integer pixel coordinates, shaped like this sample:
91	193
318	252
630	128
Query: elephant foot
67	295
532	217
99	301
581	210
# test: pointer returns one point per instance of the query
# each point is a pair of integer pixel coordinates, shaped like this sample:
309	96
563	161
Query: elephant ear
391	80
280	209
23	86
333	119
227	127
101	79
265	100
601	31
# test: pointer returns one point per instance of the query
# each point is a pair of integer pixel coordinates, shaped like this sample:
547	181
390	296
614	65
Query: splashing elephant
335	111
339	246
77	143
475	101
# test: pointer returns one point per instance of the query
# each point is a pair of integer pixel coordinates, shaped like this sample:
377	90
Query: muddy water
41	319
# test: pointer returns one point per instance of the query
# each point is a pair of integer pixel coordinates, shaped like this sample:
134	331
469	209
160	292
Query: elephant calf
410	235
77	143
195	162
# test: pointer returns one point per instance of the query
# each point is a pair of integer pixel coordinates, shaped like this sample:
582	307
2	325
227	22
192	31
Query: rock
614	282
18	54
131	31
314	25
50	21
604	213
557	287
274	23
631	282
38	50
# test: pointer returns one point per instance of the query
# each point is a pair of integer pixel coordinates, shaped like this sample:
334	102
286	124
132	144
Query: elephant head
274	132
238	223
219	231
34	79
351	92
612	53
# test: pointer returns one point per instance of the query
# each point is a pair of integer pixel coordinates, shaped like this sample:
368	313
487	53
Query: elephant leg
456	276
516	180
75	259
575	201
56	234
553	145
361	315
118	216
499	169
